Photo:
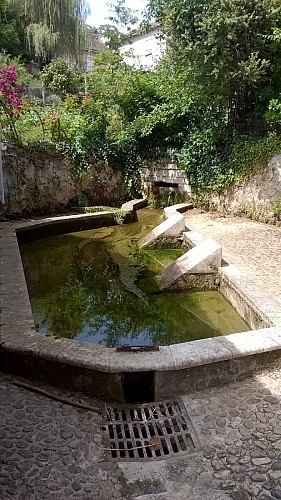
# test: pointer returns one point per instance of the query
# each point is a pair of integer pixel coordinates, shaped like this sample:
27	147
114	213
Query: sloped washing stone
275	334
174	226
205	258
193	238
135	204
180	208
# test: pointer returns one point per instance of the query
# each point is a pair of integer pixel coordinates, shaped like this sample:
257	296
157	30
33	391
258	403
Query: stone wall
165	177
254	196
44	183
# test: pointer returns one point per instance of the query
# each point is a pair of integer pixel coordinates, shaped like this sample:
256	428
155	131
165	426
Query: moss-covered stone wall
43	181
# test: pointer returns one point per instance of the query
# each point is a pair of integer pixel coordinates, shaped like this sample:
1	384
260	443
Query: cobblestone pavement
52	451
252	246
240	430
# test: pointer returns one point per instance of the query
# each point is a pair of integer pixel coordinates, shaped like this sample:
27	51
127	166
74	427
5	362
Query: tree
11	30
229	50
60	79
122	19
54	27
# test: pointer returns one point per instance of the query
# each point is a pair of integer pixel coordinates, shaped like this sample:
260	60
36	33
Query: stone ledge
236	345
198	378
134	204
141	361
54	226
180	207
265	306
174	357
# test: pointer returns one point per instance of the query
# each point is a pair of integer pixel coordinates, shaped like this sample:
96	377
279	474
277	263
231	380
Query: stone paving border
98	370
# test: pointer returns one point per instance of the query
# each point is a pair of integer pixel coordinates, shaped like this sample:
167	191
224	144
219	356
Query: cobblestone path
252	246
240	429
52	451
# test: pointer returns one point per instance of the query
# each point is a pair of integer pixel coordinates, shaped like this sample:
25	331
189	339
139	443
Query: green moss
166	243
119	215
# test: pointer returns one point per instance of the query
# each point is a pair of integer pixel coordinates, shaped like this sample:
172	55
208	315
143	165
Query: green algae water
92	286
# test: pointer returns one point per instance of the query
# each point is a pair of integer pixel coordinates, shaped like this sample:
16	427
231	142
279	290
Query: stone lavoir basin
75	289
96	286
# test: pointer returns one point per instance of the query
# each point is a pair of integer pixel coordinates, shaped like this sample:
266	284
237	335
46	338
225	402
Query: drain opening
165	184
148	432
138	387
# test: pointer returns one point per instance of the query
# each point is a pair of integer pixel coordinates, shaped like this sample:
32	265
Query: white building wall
144	50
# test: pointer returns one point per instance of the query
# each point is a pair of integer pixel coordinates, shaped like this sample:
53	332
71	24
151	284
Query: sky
100	10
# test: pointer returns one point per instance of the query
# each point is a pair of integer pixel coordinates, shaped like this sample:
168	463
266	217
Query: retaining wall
44	182
253	196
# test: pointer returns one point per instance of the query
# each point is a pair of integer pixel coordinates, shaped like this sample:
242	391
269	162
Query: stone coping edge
179	207
18	334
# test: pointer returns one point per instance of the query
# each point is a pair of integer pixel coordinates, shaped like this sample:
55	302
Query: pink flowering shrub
10	96
10	91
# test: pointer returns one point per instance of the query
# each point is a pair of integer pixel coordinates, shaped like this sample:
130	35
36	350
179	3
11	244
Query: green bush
213	164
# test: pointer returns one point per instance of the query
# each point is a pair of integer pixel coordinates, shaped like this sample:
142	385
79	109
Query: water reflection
82	286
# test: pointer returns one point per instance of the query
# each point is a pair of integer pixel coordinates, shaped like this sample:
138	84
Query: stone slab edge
179	207
18	333
260	302
135	204
193	238
63	219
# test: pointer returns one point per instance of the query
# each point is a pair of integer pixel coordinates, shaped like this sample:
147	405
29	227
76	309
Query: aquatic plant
129	273
118	214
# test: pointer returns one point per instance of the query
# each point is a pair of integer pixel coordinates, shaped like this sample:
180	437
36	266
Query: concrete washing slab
104	372
172	227
178	208
192	238
134	204
205	258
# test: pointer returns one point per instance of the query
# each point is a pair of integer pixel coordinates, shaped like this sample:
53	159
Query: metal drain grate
148	432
